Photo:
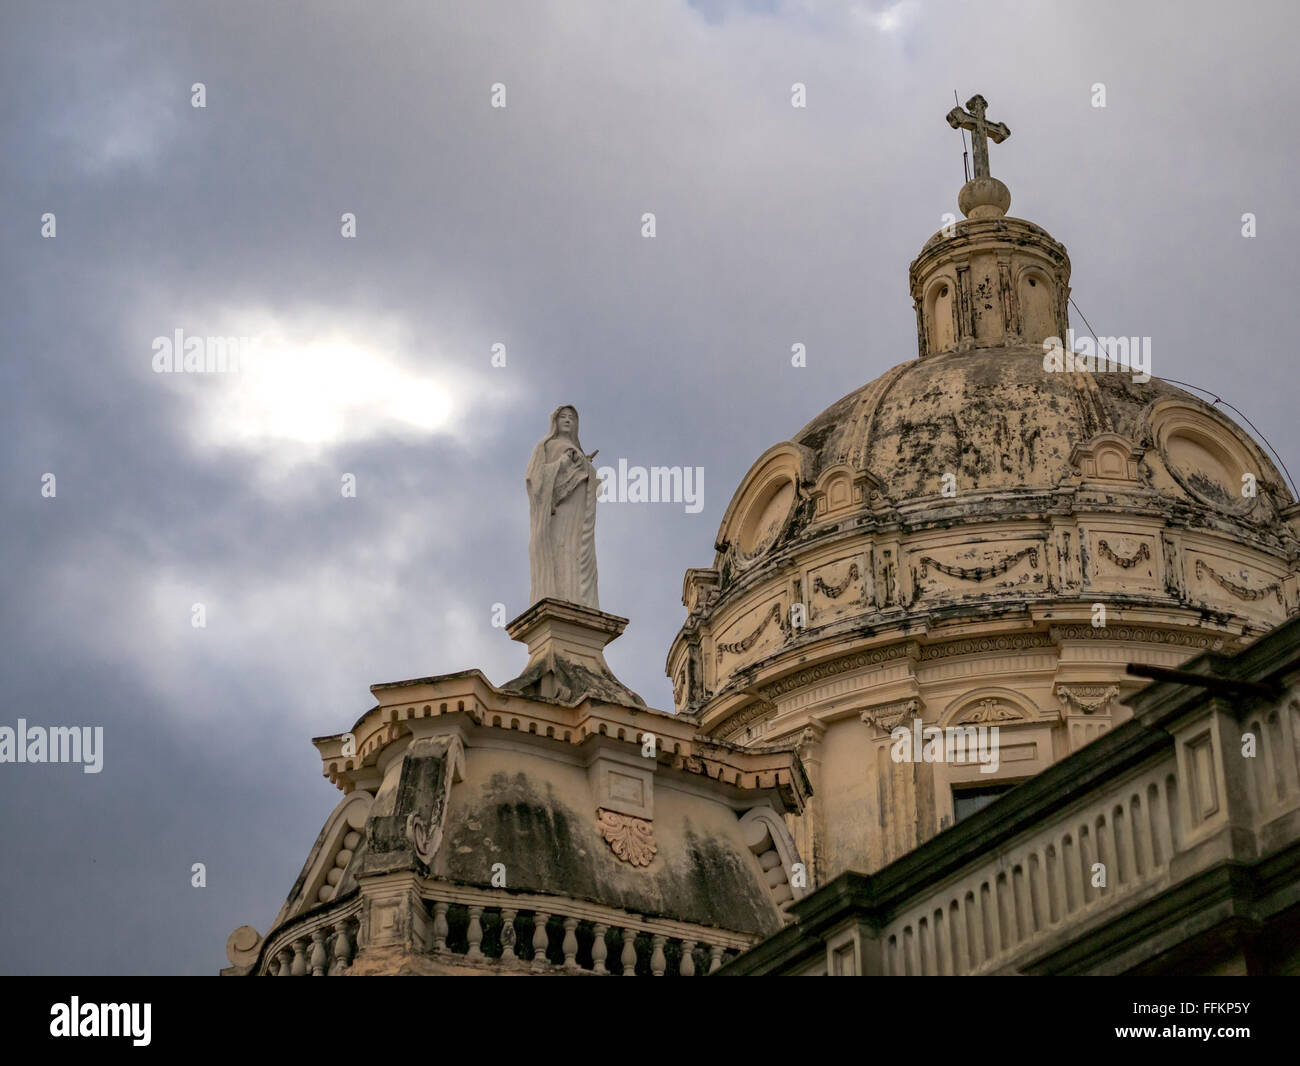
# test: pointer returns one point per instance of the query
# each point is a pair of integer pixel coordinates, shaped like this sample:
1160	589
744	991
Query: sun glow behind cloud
315	381
326	390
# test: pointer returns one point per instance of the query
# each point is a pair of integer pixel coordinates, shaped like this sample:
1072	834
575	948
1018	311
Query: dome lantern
991	280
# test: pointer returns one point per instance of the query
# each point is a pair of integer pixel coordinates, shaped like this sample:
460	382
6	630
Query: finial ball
984	198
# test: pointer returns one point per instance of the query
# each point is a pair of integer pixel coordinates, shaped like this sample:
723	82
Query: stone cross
981	131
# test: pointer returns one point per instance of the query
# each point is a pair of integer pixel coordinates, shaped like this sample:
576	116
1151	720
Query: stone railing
1203	802
478	929
1165	843
1273	775
324	945
549	935
985	918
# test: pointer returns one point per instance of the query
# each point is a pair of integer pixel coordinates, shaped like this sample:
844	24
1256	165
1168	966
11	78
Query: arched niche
1035	296
941	314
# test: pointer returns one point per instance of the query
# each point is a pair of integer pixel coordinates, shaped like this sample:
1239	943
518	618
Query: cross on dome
981	131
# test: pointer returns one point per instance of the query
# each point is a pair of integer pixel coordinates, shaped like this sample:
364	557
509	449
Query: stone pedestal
566	661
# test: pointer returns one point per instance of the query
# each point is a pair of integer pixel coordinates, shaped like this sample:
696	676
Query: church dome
1003	490
975	481
997	422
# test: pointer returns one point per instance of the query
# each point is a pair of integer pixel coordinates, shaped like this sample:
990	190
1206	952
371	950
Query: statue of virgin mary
562	487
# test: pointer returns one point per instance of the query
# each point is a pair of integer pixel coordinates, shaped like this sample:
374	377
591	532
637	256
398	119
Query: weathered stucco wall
538	817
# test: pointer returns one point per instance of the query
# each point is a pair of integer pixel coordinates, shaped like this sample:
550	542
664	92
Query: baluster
475	934
440	926
1126	830
341	949
354	939
300	957
993	926
540	940
599	949
688	958
570	943
508	957
629	952
319	955
658	964
1059	891
715	958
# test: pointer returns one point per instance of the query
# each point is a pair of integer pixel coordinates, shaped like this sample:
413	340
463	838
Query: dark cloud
476	225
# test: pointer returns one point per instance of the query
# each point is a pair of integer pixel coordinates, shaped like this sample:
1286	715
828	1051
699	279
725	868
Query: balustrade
546	942
326	949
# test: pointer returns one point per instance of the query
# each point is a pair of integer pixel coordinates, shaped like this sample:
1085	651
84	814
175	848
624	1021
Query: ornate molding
976	645
980	573
857	661
1086	698
743	645
837	591
989	710
243	945
1240	591
810	737
887	715
1140	634
736	723
631	839
424	837
1143	552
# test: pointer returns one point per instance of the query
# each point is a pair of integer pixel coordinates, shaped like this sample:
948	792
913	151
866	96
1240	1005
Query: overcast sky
520	226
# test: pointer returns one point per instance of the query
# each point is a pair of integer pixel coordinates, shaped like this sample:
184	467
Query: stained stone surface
993	417
535	826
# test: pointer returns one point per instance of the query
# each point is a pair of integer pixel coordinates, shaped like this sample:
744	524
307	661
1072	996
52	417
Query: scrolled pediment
989	706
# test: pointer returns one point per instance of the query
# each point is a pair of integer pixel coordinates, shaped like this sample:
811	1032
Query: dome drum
998	281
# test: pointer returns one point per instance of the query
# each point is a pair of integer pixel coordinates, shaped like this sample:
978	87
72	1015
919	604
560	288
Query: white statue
562	488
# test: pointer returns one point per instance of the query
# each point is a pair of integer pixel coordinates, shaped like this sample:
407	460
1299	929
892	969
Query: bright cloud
316	380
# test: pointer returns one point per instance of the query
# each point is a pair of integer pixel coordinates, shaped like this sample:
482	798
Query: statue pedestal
566	661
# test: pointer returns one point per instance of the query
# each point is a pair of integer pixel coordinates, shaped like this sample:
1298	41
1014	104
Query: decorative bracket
1086	698
631	839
